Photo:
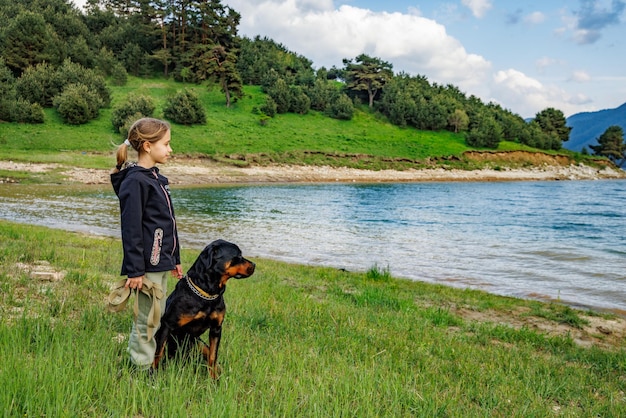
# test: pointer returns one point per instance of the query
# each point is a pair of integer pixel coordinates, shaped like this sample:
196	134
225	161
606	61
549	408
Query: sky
524	55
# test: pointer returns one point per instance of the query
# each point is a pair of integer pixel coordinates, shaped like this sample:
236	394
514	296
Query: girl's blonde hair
142	131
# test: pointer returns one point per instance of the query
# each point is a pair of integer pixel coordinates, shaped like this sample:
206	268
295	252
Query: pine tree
611	145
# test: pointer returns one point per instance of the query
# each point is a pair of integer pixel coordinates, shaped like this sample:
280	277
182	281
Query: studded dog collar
195	289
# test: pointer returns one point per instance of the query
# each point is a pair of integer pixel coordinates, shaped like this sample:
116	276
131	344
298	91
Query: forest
55	55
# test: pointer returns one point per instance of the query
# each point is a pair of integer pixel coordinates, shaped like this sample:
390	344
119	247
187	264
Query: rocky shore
195	172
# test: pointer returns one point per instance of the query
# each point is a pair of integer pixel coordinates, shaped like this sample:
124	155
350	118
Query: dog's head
220	261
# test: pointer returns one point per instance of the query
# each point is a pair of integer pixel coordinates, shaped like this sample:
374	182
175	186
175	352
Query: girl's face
159	151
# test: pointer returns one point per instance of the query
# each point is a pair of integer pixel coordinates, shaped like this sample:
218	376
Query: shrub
281	93
184	107
21	111
5	110
41	84
300	102
119	76
341	108
128	123
135	104
37	85
72	73
77	104
320	94
269	107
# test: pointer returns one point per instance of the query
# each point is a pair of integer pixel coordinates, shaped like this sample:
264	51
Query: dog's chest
200	321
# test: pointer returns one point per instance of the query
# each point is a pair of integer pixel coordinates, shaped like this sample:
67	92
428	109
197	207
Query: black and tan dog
197	303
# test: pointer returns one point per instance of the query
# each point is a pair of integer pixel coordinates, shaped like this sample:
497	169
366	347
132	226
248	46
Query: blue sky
526	56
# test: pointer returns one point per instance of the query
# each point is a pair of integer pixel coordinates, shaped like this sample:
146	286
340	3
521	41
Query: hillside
235	137
588	126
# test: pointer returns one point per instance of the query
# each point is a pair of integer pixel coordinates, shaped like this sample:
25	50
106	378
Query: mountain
588	126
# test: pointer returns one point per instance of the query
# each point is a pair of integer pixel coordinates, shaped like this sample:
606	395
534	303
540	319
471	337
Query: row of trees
197	41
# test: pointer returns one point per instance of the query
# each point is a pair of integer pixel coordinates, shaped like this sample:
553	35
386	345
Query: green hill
236	135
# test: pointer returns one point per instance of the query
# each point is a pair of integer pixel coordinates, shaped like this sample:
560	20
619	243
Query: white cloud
585	36
478	7
413	44
527	95
545	63
580	76
534	18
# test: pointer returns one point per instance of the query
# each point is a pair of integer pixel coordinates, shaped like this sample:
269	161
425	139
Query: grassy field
235	135
297	341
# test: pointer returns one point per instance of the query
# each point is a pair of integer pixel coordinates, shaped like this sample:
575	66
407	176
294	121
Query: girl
149	234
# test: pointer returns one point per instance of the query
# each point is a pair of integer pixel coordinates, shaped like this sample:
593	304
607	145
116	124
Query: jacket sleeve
132	199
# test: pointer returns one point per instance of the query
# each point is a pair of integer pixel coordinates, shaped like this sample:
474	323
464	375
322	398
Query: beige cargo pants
142	352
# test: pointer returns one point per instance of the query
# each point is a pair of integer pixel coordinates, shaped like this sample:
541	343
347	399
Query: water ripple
560	240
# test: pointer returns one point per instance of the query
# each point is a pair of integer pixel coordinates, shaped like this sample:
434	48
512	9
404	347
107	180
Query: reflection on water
554	240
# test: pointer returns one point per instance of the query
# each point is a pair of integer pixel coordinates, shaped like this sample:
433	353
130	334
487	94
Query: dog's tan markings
185	319
218	316
226	275
243	269
211	356
157	357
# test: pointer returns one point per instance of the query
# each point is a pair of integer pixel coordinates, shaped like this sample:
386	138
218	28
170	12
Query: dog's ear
204	263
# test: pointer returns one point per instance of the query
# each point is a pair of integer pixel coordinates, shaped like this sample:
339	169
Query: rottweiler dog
197	303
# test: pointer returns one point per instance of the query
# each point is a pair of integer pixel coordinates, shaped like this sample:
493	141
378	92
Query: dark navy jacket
149	233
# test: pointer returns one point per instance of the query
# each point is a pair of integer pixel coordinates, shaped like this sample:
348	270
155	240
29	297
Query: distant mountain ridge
588	126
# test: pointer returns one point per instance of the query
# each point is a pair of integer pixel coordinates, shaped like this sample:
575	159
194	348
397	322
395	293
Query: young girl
149	234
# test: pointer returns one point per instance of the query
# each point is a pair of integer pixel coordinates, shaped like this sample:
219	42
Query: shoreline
196	172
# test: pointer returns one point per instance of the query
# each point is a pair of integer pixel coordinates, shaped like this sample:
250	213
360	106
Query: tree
368	74
7	91
259	56
486	133
221	65
458	120
29	41
611	145
215	46
552	122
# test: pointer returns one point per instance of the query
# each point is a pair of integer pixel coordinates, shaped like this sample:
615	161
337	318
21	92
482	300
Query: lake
557	240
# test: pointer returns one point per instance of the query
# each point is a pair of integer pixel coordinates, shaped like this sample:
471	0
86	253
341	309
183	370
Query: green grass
297	341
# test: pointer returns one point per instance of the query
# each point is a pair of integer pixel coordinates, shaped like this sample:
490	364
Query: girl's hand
134	283
178	272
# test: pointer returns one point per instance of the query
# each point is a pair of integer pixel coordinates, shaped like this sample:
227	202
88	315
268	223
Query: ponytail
122	155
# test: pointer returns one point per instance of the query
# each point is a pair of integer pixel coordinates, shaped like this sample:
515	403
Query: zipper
169	206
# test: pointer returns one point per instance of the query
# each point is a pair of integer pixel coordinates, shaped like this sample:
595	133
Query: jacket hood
130	168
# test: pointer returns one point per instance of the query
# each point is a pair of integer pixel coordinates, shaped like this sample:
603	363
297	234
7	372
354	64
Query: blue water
543	240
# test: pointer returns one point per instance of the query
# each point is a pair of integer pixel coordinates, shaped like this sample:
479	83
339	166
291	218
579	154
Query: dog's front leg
160	338
215	335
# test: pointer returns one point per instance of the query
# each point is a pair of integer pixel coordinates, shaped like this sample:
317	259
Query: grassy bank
298	341
236	136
